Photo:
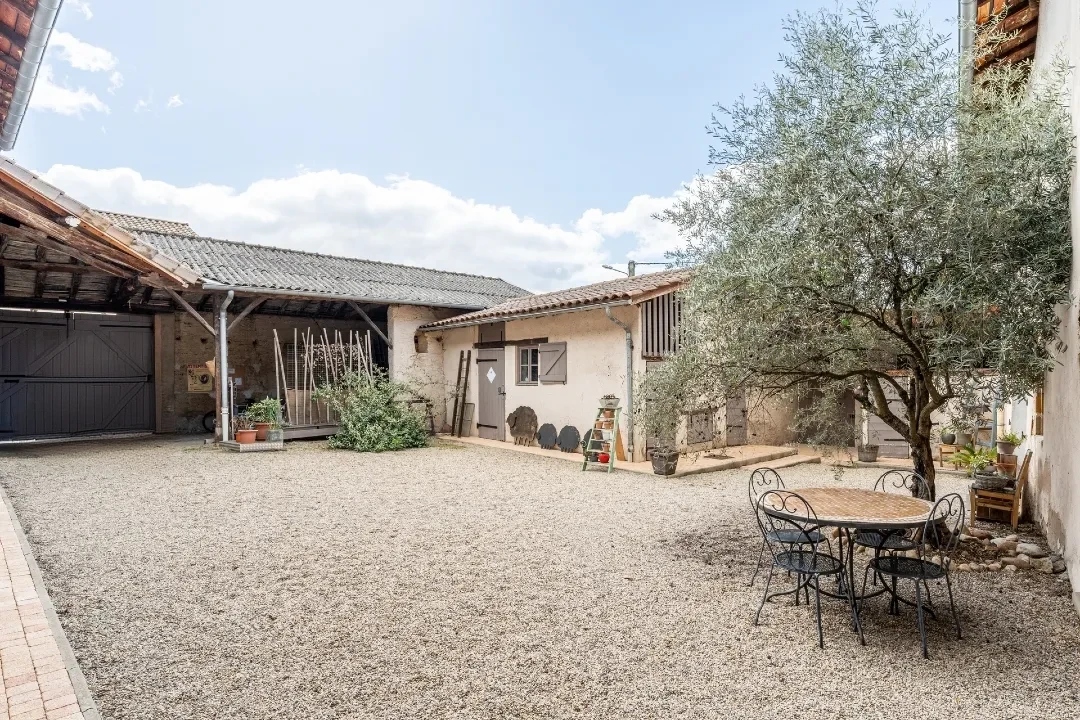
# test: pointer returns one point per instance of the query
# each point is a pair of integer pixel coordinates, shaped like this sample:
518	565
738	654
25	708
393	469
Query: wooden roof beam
42	239
179	300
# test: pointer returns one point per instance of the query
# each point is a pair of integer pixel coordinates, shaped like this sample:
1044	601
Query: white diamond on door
491	375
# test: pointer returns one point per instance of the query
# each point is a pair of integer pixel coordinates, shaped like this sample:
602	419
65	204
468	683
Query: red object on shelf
604	458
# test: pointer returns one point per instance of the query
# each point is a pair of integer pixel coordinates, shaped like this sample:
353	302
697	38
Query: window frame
533	363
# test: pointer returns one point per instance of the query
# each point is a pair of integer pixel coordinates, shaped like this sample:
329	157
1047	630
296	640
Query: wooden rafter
374	327
42	239
248	309
179	300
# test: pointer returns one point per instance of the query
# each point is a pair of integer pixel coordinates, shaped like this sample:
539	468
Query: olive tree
872	231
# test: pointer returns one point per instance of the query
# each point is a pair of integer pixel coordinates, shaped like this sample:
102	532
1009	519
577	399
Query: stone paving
36	683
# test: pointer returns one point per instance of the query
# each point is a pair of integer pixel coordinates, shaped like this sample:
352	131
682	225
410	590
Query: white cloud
82	55
83	7
653	237
52	97
143	104
399	220
174	102
116	81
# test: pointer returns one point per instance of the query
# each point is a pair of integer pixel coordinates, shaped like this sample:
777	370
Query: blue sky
531	140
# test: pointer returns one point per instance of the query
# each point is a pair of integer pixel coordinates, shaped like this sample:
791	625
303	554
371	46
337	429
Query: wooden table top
850	507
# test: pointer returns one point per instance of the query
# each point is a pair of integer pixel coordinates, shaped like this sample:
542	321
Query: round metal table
852	509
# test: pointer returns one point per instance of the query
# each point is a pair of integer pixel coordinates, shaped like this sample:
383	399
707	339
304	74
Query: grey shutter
553	362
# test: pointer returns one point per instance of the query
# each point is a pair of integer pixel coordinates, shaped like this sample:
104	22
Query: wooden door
491	380
735	414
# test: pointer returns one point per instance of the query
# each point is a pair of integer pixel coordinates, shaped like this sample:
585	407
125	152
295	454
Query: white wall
423	370
595	366
1054	495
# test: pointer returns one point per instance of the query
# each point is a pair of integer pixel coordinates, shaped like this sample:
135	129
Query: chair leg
922	623
765	595
952	607
757	565
817	596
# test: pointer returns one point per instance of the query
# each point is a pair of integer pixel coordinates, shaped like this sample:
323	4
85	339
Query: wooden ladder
461	394
604	438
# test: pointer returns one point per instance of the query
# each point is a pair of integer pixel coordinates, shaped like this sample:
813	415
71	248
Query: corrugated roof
630	289
238	264
138	223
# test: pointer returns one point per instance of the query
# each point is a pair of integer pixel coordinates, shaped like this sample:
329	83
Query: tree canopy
871	230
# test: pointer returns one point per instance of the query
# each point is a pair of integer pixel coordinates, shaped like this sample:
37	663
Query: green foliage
267	410
975	459
1011	438
866	218
374	413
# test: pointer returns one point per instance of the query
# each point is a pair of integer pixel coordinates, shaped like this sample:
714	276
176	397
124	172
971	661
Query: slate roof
238	264
622	290
137	223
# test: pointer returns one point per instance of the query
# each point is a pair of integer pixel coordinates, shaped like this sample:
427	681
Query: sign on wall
199	379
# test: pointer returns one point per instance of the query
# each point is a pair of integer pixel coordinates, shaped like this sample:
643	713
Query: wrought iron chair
789	529
762	481
897	481
942	535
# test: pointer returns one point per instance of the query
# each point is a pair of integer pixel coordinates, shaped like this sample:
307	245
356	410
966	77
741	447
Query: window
1037	420
528	365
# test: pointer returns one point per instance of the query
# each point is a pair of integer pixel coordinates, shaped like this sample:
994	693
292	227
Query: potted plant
609	402
948	435
244	431
266	415
868	453
1006	444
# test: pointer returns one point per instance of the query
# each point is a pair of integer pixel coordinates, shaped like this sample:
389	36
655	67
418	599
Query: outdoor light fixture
71	221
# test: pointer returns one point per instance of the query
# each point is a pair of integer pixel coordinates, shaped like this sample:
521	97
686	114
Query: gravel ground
478	583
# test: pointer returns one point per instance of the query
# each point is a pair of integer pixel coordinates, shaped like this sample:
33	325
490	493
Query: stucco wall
1054	495
419	364
595	366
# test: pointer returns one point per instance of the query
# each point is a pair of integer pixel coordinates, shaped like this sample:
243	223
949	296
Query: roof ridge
327	255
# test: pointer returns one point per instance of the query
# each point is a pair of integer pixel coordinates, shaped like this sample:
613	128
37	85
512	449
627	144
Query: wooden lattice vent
1006	32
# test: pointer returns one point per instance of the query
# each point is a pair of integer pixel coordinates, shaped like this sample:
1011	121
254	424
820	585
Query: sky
533	140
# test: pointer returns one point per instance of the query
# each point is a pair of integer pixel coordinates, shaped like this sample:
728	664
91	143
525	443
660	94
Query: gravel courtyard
476	583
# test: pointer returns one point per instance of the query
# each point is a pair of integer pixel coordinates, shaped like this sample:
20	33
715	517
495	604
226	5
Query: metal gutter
41	27
967	13
249	290
629	380
224	398
524	316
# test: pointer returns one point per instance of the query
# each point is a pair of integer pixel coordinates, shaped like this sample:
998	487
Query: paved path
35	675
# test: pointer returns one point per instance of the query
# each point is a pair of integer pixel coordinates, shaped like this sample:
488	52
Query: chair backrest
943	527
905	481
762	481
1022	477
795	525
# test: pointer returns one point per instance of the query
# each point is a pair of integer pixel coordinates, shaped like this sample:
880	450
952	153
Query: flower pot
664	463
868	453
963	439
611	403
275	435
609	414
603	458
1005	448
261	429
948	438
245	437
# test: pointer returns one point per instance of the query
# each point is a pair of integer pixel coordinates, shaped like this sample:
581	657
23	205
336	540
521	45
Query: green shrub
267	410
373	413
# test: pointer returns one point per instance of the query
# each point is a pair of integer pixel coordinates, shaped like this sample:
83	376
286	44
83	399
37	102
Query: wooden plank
192	311
380	333
89	256
498	344
248	309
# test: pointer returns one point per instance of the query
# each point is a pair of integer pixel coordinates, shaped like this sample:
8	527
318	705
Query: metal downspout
223	369
41	28
967	15
629	381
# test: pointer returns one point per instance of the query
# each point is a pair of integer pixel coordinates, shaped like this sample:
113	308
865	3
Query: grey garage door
75	374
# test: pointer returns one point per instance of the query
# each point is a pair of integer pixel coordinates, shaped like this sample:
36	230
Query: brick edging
87	705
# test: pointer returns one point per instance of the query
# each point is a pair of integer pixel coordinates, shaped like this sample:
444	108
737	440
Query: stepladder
603	442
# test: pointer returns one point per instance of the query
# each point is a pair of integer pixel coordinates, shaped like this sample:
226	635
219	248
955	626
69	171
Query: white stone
1044	565
995	567
1010	569
1031	550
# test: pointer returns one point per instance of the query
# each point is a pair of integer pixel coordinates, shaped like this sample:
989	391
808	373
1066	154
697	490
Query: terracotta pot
603	458
963	439
1005	448
664	463
245	437
260	430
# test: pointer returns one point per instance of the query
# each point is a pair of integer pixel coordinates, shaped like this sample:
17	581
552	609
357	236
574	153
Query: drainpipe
33	51
223	370
967	12
629	381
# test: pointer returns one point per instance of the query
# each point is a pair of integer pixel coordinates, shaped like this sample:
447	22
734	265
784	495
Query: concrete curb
87	705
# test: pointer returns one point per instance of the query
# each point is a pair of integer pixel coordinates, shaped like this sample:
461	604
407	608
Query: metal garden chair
762	481
790	540
903	482
942	535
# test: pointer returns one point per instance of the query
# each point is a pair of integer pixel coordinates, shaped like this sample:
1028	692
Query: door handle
502	390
